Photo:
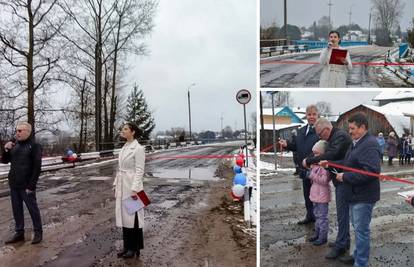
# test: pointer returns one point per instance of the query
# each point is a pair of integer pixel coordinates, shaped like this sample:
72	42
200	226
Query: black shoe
14	239
331	244
138	253
129	254
37	238
313	238
319	242
347	259
306	221
121	253
335	253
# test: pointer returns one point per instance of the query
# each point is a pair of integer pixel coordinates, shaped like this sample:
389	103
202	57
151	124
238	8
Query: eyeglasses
320	132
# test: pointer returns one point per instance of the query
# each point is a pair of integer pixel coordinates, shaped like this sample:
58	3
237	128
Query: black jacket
303	144
366	155
26	161
338	144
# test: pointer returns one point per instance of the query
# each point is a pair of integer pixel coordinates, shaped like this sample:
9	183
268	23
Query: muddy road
283	242
303	75
191	221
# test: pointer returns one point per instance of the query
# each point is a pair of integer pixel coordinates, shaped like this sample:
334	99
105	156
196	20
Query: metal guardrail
282	49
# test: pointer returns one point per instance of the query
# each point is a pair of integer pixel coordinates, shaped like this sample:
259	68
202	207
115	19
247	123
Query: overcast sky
209	43
305	12
347	101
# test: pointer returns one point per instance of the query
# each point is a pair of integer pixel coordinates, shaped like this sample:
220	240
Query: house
286	122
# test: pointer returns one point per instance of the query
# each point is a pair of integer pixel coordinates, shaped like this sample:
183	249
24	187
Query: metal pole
274	130
369	29
330	23
189	112
245	135
285	23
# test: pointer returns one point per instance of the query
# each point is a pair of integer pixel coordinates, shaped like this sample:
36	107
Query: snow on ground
271	167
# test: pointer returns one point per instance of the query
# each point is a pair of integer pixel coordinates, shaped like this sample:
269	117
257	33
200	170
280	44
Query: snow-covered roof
394	113
282	126
268	111
394	95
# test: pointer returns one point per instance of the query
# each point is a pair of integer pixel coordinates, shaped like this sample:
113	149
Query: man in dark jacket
25	157
338	143
302	144
364	154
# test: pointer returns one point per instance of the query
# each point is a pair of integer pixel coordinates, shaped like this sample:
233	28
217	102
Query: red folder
144	198
337	56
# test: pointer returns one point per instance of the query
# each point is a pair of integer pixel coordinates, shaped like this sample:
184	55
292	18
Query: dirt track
283	242
191	222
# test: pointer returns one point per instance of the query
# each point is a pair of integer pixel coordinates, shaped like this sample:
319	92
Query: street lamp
189	107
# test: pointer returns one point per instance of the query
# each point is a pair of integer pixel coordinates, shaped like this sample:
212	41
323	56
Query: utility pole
330	22
369	28
285	23
350	17
221	119
189	107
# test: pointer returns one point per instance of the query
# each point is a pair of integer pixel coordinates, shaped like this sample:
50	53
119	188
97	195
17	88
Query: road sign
243	96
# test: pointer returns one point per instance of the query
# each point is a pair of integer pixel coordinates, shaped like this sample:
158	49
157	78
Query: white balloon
238	190
74	155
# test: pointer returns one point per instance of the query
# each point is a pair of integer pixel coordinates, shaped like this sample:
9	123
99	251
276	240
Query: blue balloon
70	153
237	169
240	179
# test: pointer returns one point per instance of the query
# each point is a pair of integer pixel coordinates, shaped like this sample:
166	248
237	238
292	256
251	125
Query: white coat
333	75
129	178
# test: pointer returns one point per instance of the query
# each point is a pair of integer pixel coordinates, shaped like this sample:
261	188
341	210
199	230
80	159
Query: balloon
233	196
238	190
69	153
237	169
74	155
240	162
240	178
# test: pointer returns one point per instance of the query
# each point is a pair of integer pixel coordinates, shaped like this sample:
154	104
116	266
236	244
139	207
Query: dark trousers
322	222
133	237
18	196
308	203
342	194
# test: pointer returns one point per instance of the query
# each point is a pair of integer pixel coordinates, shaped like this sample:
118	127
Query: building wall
376	121
266	137
268	119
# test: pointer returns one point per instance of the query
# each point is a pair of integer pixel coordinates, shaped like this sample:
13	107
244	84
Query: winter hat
320	146
392	134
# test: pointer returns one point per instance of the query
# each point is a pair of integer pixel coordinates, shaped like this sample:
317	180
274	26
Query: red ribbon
380	176
353	63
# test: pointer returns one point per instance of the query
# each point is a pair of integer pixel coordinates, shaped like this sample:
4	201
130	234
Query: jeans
342	193
322	222
361	214
18	196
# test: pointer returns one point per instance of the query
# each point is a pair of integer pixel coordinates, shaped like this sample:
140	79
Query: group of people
25	157
403	148
319	143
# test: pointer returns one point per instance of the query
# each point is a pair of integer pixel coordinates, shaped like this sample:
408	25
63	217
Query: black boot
37	238
335	253
17	237
306	221
129	254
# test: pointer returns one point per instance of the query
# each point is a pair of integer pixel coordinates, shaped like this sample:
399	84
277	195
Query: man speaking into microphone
25	157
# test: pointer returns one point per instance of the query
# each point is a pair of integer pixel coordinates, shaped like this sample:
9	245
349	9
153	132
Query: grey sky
305	12
209	43
340	101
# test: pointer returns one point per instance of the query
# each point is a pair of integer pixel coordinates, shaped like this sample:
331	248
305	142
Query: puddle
204	174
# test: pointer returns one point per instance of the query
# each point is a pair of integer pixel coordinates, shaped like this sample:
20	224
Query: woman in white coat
334	75
128	182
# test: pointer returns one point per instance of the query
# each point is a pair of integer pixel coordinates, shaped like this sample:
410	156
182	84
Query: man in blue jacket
25	157
363	154
302	144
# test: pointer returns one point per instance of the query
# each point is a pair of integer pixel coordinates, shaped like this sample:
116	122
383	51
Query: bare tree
102	32
387	14
324	108
28	45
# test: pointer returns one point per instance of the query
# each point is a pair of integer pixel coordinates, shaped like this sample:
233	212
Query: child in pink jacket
320	195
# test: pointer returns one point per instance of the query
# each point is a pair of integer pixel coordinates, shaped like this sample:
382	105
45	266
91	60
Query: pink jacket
320	191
